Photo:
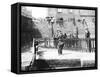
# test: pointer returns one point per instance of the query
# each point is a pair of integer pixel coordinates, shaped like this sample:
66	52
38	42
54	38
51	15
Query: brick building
78	15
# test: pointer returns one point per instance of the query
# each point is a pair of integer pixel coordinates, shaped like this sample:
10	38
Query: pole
52	29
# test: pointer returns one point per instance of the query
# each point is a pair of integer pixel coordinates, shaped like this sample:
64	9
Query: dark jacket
87	35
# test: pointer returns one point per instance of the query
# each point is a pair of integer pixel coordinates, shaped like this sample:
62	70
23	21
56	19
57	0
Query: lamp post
52	29
51	24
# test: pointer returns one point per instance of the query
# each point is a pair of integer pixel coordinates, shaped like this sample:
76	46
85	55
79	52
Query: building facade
74	18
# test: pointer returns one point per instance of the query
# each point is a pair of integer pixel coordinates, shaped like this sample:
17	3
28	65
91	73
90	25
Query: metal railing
71	44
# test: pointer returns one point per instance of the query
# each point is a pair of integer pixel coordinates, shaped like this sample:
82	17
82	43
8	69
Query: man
88	41
60	42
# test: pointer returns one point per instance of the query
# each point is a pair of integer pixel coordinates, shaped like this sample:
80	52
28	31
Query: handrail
83	44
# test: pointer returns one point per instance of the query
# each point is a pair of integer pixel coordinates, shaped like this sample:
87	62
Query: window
59	10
